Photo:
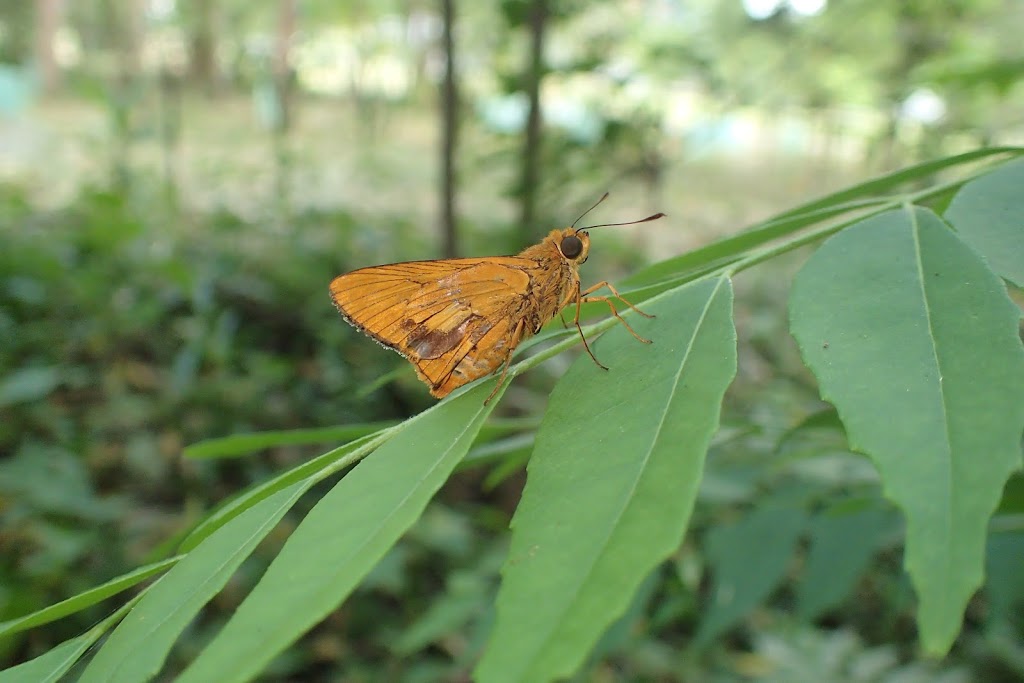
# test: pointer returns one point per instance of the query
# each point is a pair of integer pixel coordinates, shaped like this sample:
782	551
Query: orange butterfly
459	319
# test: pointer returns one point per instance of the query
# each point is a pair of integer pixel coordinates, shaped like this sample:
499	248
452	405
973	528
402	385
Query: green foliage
800	655
985	217
742	582
90	597
349	531
120	341
605	505
662	535
54	664
138	646
843	542
920	353
908	332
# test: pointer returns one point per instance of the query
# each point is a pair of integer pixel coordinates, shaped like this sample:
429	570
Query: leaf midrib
950	489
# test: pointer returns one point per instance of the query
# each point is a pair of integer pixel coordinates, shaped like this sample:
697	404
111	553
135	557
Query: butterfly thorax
556	276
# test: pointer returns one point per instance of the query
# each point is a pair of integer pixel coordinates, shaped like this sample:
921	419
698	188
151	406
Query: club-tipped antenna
609	225
603	197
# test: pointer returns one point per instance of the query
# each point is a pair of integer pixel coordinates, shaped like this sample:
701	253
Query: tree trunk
530	179
203	46
449	133
131	28
281	75
47	21
287	21
122	21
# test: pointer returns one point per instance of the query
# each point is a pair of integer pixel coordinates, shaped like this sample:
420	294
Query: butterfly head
573	245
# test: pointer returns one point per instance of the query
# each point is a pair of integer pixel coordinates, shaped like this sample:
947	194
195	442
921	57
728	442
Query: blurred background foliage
181	179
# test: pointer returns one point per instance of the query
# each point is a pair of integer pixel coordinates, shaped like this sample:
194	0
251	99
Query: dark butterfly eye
572	246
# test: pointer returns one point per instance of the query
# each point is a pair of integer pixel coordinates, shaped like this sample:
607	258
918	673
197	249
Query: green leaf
612	481
466	591
49	479
861	197
461	602
513	461
989	215
246	499
28	384
1005	586
842	545
889	182
499	427
137	648
748	560
1012	502
826	419
730	249
51	666
343	537
84	599
631	628
325	462
499	450
915	342
243	444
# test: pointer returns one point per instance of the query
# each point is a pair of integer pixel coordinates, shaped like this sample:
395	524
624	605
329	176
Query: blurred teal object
17	89
505	113
581	123
267	103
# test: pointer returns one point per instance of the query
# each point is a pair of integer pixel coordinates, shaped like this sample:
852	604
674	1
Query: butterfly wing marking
453	319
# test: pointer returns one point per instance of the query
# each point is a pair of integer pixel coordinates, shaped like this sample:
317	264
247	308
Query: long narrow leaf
888	182
51	666
242	444
246	499
612	481
139	645
85	599
729	249
343	537
875	192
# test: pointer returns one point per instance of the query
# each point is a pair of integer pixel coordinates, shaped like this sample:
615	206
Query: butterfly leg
586	297
517	336
578	297
604	283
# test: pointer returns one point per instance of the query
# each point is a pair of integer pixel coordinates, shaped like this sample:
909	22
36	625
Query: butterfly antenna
609	225
603	197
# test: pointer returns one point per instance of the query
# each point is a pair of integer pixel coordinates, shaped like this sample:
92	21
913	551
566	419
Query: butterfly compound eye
571	246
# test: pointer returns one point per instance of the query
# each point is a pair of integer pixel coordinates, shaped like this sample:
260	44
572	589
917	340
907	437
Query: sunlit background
715	112
181	179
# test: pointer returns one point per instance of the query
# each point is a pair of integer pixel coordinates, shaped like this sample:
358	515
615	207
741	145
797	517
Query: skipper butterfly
460	319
